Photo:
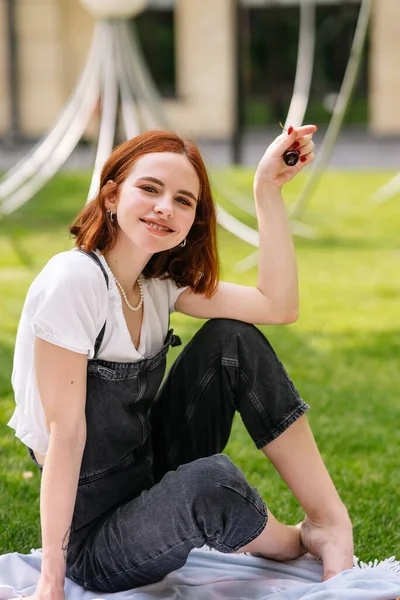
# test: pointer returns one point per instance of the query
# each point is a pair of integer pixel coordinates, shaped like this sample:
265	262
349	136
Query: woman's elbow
287	317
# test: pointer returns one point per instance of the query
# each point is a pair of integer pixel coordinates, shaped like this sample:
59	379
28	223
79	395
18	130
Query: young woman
132	472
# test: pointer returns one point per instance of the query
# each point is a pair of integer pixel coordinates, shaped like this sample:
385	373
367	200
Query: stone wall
385	68
205	68
41	82
54	38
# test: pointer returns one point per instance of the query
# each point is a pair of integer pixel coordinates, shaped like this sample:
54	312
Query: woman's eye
148	188
182	200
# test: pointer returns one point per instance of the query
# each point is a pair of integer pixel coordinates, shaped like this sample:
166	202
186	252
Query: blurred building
191	49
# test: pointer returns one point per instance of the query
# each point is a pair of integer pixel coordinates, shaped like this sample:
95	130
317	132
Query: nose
164	207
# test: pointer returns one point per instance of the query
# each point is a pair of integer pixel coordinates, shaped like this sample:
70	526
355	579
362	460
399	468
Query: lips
157	225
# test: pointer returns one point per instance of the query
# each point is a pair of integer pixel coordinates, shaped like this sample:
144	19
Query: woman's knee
223	504
207	471
236	336
213	477
221	326
226	330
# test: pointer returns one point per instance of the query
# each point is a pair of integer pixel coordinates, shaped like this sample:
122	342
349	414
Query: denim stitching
263	512
143	424
253	398
102	374
192	407
202	386
249	539
113	375
144	562
113	371
280	363
117	466
290	382
229	362
239	493
142	387
297	413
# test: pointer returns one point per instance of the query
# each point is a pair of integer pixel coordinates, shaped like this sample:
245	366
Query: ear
110	190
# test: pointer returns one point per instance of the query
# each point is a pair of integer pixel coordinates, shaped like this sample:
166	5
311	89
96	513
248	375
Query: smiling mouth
156	226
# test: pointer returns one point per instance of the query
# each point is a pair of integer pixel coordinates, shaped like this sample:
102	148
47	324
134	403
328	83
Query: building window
156	34
272	39
272	46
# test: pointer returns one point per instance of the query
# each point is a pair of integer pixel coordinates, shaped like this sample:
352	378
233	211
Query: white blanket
216	576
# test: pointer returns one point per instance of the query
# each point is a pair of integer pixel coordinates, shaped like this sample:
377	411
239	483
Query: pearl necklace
123	294
121	289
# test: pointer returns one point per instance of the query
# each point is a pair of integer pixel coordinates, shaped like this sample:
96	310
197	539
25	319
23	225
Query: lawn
343	352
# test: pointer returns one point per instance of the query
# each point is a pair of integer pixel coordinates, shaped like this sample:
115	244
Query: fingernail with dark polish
296	144
290	130
303	158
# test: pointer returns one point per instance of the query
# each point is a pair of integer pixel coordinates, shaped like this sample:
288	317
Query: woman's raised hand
272	169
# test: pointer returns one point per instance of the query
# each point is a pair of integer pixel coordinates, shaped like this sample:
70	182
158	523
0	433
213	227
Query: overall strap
96	259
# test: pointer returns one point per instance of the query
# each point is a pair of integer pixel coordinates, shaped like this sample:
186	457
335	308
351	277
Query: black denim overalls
153	484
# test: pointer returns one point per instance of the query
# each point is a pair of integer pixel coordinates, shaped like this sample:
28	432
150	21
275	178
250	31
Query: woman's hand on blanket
332	542
46	592
41	596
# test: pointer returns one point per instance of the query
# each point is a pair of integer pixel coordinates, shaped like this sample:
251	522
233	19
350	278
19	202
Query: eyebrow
159	182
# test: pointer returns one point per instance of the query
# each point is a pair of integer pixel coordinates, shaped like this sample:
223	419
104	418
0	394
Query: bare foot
277	541
333	543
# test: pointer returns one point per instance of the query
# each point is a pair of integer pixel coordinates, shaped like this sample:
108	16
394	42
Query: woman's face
157	201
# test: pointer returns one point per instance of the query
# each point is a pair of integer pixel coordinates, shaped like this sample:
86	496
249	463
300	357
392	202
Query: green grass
343	353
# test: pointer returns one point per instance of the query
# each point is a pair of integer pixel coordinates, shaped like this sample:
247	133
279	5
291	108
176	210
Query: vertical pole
11	42
240	51
342	102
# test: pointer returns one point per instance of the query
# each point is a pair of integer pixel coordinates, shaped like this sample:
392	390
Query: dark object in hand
291	157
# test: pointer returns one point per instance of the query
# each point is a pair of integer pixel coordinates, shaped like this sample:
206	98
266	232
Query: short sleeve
67	302
173	293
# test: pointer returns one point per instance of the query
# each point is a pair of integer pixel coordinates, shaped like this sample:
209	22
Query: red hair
196	265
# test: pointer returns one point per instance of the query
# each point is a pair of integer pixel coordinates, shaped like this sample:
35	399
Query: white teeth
158	227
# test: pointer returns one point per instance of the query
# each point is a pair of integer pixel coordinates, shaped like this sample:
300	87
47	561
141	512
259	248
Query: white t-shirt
67	305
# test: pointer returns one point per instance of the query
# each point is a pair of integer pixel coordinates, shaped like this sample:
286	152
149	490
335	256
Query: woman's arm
275	299
61	380
277	265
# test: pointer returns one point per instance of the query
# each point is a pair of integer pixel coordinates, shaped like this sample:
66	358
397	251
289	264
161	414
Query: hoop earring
182	244
111	215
